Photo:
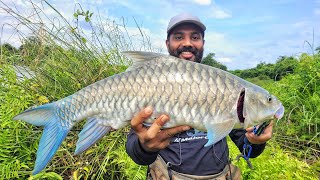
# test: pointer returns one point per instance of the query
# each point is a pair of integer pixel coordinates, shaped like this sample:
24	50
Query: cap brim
197	23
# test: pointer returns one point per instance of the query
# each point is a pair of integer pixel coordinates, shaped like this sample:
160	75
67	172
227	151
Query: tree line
263	71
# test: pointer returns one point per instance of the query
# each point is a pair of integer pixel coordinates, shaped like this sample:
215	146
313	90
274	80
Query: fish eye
269	98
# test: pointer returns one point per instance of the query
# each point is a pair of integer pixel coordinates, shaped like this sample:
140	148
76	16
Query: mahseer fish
194	94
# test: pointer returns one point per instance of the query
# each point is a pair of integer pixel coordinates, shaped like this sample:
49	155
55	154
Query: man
179	152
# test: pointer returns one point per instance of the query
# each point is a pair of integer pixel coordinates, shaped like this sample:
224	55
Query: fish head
259	106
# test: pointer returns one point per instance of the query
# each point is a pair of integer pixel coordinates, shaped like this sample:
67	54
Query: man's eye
177	37
195	37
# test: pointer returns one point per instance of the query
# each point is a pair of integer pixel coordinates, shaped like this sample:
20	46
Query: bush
273	163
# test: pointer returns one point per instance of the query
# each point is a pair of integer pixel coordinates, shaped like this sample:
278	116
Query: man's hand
154	139
264	137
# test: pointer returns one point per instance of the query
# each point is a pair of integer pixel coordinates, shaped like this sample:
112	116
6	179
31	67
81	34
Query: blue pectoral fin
216	132
90	134
52	136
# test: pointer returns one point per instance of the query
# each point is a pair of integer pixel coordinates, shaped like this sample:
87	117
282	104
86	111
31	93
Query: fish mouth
240	106
280	112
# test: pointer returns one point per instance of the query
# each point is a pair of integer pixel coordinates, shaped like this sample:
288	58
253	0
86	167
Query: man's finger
173	131
264	137
156	126
249	129
269	127
137	120
258	139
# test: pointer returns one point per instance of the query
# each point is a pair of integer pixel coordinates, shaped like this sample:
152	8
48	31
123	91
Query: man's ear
204	42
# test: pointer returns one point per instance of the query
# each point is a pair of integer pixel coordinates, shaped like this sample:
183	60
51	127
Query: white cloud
202	2
218	13
36	12
220	43
143	41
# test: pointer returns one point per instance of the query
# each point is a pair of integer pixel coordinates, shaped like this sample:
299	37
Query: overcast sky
240	33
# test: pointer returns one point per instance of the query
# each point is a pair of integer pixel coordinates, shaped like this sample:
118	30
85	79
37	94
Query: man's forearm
238	135
136	152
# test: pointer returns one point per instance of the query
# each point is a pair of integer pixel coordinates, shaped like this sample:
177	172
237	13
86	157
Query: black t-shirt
187	153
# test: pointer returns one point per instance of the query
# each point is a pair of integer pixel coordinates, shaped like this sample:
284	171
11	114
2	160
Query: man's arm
258	142
237	136
136	152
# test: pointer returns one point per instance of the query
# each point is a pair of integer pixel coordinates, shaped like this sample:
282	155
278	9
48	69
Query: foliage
284	66
295	81
7	50
18	143
273	163
318	50
209	60
17	140
60	60
302	98
299	92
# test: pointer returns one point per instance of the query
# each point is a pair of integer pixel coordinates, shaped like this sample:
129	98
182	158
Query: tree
318	50
34	50
10	48
209	60
31	42
7	49
284	65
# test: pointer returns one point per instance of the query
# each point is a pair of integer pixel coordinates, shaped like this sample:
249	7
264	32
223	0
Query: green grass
273	163
63	61
19	141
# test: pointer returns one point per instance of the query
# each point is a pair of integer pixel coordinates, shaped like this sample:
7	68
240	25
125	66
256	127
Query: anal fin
91	133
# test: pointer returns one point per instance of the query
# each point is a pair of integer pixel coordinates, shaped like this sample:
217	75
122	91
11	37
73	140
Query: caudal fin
52	136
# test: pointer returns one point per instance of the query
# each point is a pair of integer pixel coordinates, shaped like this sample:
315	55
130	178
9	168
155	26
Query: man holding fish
179	152
213	102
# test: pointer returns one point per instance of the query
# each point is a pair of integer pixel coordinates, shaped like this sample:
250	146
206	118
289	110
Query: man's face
186	42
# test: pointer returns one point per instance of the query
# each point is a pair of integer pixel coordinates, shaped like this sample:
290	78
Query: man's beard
198	53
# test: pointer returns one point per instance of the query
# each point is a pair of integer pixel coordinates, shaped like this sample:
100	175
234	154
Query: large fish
206	98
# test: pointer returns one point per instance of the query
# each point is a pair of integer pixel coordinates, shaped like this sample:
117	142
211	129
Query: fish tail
52	136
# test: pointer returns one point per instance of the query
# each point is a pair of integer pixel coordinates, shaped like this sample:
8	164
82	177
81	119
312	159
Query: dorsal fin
139	58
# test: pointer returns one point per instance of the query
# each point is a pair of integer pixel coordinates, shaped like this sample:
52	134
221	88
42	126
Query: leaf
43	99
87	168
75	174
73	30
89	151
83	40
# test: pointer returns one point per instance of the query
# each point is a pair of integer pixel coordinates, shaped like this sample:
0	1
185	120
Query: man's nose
187	42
